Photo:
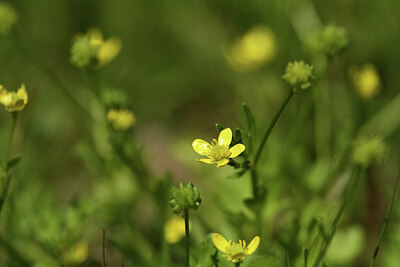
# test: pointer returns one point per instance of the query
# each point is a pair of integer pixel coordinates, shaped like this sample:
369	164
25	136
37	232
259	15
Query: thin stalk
271	126
187	237
351	186
7	177
385	222
104	247
10	138
237	264
305	252
254	175
287	259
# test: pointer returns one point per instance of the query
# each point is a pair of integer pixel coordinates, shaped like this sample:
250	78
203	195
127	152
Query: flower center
236	252
219	152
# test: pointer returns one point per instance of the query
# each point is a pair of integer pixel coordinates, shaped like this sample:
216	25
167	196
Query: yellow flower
78	253
366	80
122	119
107	49
92	50
218	151
13	101
174	229
235	252
253	50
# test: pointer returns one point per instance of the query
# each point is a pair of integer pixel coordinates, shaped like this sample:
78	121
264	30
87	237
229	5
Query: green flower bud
8	17
114	98
186	197
331	40
298	75
367	150
83	53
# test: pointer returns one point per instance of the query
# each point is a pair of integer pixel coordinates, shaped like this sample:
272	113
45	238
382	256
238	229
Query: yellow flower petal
174	229
95	36
253	245
14	101
22	94
225	137
219	242
109	50
236	150
201	147
207	161
222	163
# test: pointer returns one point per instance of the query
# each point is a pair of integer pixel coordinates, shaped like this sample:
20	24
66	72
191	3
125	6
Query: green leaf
13	162
237	137
237	175
251	125
219	127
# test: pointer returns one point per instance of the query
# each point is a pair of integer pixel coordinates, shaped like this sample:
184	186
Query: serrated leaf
13	162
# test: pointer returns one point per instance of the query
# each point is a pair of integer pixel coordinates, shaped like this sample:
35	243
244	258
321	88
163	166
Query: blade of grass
385	222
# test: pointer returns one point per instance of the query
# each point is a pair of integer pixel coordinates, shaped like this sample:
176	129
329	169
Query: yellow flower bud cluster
92	50
121	119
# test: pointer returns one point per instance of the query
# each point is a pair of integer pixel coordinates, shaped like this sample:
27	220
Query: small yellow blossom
78	253
366	80
235	252
13	101
121	119
174	229
218	151
8	17
91	49
253	50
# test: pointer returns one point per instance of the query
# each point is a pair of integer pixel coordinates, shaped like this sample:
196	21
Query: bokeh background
184	66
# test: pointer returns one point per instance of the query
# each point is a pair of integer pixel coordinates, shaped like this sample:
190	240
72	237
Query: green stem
10	138
187	237
254	175
350	192
271	126
7	177
237	264
385	222
305	253
104	247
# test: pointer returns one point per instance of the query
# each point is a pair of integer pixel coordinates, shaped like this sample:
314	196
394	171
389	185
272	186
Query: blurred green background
175	72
